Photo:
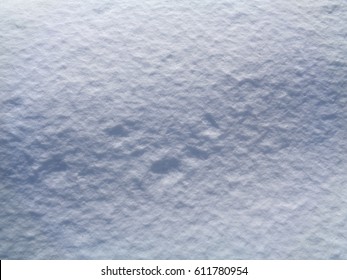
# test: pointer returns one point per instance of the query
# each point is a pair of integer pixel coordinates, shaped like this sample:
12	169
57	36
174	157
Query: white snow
173	129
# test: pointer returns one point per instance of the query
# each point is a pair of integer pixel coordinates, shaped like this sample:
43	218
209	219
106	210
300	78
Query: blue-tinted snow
173	129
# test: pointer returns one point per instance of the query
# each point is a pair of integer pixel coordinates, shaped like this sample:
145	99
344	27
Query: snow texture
153	129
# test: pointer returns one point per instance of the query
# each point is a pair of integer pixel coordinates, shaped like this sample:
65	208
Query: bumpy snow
153	129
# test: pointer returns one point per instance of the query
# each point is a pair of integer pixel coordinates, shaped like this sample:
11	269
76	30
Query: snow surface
173	129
